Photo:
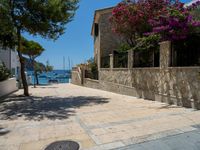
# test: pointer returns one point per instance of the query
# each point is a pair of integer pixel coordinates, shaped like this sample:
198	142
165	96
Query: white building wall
8	86
5	57
15	64
11	60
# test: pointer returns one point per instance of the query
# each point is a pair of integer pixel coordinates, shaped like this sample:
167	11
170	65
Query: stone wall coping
149	68
146	68
92	80
117	84
74	71
191	67
120	69
104	69
163	42
130	50
115	69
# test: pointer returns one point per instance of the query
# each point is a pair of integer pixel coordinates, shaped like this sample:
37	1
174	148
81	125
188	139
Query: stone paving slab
97	120
184	141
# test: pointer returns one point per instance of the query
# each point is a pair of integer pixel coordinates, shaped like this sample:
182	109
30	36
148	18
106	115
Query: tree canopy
31	49
47	18
169	19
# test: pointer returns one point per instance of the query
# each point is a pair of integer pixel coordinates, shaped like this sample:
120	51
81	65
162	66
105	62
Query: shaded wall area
180	86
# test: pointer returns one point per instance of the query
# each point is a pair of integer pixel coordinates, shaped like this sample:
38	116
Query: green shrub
94	70
147	43
4	72
147	51
123	48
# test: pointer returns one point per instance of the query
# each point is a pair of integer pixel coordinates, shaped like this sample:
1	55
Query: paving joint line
153	137
87	130
153	117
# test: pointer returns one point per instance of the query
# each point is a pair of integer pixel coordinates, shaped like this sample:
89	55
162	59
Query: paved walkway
95	119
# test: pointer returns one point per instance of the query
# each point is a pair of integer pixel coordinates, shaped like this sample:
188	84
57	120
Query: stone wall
92	83
172	85
8	86
76	77
180	86
109	41
106	41
114	76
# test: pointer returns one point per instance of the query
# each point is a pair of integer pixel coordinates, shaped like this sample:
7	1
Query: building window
186	52
96	29
13	72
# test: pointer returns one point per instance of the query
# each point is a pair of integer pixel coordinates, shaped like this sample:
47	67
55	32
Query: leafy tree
39	68
124	47
48	67
147	43
170	19
130	18
175	23
32	50
93	68
7	31
196	13
46	18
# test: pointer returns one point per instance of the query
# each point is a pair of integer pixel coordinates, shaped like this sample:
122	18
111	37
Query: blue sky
76	43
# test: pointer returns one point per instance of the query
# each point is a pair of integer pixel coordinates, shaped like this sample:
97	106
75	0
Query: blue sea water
62	76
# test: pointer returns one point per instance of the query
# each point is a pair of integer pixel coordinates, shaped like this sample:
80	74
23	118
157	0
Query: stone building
105	41
175	80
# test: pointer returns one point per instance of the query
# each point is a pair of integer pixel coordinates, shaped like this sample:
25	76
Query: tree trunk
23	76
34	73
36	76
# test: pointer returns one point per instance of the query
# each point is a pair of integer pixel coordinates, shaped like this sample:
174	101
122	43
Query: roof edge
99	11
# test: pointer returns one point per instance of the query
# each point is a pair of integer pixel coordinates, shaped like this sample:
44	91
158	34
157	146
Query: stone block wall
118	76
180	86
91	83
172	85
109	41
76	77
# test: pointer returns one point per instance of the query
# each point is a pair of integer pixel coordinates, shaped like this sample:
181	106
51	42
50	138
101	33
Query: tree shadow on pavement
39	108
3	131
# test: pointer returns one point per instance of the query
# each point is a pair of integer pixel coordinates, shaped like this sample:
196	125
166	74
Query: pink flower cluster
171	20
176	23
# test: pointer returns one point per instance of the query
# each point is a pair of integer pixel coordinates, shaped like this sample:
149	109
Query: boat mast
72	65
69	63
63	63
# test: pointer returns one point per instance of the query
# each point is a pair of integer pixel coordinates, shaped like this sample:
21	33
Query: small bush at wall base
4	72
94	71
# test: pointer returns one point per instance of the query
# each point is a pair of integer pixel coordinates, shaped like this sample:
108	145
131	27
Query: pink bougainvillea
176	23
169	19
130	19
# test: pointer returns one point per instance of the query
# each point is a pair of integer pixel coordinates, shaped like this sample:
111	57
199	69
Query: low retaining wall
177	85
8	86
92	83
76	78
180	86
